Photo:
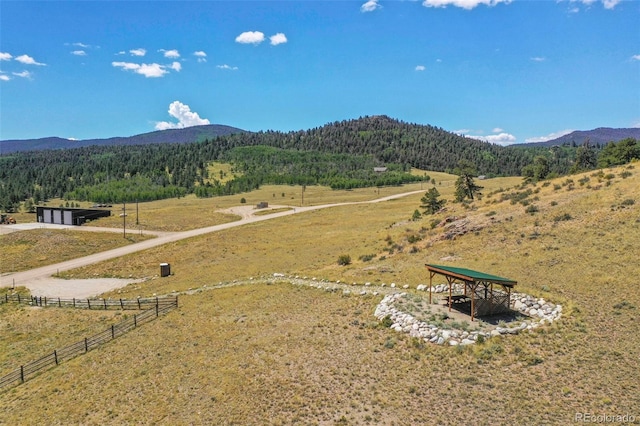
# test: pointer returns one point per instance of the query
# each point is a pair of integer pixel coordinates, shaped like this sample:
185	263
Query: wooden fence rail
29	370
101	304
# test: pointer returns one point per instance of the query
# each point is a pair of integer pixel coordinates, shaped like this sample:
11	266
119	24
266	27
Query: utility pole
124	219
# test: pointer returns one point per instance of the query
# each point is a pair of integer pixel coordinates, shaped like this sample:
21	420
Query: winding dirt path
41	283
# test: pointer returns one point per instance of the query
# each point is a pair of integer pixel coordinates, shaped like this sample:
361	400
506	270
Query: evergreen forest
341	155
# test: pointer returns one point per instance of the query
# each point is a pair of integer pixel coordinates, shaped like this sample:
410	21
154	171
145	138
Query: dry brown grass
29	333
39	247
260	354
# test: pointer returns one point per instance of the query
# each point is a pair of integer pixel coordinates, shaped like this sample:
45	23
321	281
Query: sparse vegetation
321	357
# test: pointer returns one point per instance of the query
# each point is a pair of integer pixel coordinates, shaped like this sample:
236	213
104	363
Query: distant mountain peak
183	135
600	135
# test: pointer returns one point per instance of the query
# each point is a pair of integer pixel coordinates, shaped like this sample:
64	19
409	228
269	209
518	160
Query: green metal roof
469	274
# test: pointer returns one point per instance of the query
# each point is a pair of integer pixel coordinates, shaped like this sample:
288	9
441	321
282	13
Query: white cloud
420	68
4	56
4	77
465	4
201	55
607	4
176	66
538	59
549	137
370	6
84	46
226	67
79	53
250	37
610	4
27	60
636	57
138	52
171	54
497	130
186	117
500	138
461	131
148	70
23	74
277	39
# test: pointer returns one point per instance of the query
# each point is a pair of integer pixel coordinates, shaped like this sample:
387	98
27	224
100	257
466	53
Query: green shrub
367	257
413	238
387	321
532	209
390	343
562	217
344	259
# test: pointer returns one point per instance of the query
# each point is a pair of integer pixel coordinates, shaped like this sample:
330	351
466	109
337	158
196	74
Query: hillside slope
281	354
600	136
184	135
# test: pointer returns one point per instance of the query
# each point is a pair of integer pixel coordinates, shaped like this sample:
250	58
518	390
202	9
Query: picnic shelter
485	294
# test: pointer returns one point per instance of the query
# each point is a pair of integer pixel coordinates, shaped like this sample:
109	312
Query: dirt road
41	282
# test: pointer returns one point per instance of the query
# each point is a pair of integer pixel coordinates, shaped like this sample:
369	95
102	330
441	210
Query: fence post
157	310
135	320
89	303
45	301
86	345
138	303
74	302
121	305
105	304
55	355
22	373
113	331
59	303
18	297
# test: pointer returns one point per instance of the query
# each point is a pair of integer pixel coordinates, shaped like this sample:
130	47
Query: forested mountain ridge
600	136
183	135
340	155
389	140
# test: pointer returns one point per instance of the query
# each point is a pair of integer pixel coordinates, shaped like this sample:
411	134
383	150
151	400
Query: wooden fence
102	304
150	312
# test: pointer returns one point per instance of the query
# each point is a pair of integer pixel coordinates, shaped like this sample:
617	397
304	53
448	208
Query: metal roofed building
479	291
68	216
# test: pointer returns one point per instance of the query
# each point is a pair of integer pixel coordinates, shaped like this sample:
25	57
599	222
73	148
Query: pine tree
431	202
465	186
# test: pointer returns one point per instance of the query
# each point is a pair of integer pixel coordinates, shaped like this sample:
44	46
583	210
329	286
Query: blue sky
505	71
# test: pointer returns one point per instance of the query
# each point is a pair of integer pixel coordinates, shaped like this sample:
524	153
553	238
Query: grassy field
31	332
282	354
39	247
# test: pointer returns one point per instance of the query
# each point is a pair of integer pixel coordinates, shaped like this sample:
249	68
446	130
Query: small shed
486	294
68	216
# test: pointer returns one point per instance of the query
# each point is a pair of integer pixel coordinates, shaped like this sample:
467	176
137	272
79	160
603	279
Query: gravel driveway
41	283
